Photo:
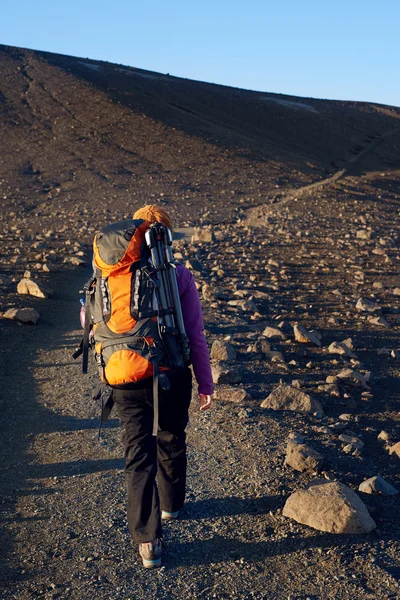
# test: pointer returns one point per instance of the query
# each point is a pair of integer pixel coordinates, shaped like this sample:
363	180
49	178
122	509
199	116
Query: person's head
154	214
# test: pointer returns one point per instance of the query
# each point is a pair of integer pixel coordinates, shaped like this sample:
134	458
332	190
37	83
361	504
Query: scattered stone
202	235
75	260
245	305
383	352
369	306
352	440
222	373
302	457
395	450
302	335
34	288
232	394
363	234
221	350
345	417
212	292
329	506
296	437
384	436
342	349
354	378
273	333
286	397
244	413
194	265
378	321
377	485
261	346
286	327
28	316
329	388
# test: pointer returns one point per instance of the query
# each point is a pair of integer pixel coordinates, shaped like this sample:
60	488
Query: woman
165	455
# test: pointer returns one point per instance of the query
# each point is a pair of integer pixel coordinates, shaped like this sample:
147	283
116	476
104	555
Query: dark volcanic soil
86	142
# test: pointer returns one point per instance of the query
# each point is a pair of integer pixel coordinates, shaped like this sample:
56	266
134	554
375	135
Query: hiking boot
151	554
169	516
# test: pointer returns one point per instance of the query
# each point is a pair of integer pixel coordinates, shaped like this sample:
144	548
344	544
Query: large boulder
302	457
329	506
34	288
286	397
28	316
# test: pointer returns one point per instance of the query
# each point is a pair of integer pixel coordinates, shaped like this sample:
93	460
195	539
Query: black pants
147	456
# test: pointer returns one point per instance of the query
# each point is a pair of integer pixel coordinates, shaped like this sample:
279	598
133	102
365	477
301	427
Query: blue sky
346	50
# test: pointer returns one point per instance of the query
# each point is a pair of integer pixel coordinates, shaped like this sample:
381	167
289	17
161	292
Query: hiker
164	454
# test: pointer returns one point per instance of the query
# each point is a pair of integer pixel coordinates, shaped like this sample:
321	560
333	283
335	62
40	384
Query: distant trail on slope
294	193
343	172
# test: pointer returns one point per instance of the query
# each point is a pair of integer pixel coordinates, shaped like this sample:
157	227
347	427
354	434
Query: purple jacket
194	326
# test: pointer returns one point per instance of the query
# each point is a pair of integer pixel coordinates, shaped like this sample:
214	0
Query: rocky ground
276	253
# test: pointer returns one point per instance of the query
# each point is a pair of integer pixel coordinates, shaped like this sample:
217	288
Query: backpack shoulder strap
89	290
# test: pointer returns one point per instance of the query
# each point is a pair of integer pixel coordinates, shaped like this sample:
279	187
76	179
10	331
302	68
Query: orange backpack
133	317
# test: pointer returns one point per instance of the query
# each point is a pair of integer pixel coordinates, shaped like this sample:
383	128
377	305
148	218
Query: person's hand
205	401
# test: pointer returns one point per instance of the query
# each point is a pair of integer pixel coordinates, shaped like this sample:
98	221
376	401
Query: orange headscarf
154	214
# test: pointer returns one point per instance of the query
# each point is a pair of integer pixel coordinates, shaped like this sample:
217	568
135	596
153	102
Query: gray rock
232	394
34	288
211	292
384	437
369	306
377	485
363	234
28	316
395	450
286	397
261	346
378	321
354	378
302	457
329	388
202	235
329	506
221	350
194	265
273	333
304	336
342	349
222	373
352	441
274	355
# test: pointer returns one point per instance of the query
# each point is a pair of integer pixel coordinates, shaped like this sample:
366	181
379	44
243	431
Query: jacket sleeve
194	326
